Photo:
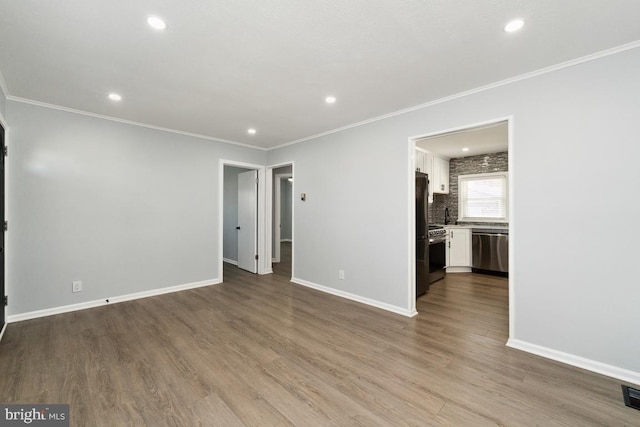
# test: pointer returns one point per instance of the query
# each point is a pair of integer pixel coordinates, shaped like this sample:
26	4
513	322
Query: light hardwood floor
260	351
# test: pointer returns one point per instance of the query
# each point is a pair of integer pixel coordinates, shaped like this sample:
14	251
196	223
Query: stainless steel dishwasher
490	249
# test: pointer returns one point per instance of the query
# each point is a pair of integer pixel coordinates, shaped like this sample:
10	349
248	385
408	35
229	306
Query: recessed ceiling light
514	25
330	99
156	23
465	149
251	131
115	97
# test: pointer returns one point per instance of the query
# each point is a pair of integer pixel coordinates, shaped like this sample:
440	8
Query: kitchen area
462	218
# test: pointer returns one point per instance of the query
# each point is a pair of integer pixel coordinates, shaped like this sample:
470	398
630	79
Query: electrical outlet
341	274
76	286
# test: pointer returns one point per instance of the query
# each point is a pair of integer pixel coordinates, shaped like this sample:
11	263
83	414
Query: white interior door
248	221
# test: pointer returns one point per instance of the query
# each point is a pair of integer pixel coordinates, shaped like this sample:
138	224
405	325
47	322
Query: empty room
325	213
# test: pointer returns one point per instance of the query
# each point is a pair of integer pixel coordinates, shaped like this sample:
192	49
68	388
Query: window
483	197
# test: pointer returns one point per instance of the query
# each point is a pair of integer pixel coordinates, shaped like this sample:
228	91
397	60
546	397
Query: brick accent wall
485	163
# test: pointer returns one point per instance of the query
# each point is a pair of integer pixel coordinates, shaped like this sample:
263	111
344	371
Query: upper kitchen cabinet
440	175
421	161
438	170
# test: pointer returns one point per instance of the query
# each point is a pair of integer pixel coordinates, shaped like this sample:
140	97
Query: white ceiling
224	66
493	138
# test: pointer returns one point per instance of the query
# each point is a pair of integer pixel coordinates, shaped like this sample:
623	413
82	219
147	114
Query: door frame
412	211
264	263
269	212
4	292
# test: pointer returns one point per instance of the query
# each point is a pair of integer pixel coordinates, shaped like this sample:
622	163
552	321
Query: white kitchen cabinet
428	164
440	176
424	164
428	169
421	161
458	250
437	169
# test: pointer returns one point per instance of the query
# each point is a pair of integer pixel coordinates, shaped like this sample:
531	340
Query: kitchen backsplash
485	163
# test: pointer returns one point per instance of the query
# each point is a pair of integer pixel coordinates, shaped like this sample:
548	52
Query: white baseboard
458	269
230	261
4	328
110	300
577	361
354	297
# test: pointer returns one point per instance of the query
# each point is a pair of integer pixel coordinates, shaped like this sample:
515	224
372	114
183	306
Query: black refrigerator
422	233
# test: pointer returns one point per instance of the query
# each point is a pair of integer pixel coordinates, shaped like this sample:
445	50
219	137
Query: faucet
446	216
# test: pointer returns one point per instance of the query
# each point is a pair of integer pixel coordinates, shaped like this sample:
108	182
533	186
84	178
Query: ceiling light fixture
330	99
465	149
251	131
115	97
514	25
156	23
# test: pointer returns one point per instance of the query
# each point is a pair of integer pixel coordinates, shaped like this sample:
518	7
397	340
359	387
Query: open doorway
281	211
458	161
242	219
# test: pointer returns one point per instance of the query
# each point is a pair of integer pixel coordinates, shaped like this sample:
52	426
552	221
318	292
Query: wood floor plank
212	411
262	351
455	415
321	398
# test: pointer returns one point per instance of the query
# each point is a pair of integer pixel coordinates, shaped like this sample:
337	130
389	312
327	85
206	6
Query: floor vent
631	397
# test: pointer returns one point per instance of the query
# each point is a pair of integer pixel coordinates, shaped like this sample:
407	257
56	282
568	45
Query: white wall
355	216
123	208
575	149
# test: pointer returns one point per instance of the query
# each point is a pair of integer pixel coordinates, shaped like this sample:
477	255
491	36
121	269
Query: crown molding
459	95
128	122
532	74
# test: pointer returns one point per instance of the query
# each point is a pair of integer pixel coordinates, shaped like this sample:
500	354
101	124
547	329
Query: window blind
483	196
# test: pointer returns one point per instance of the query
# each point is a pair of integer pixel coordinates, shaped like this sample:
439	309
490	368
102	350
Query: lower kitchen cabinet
458	250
